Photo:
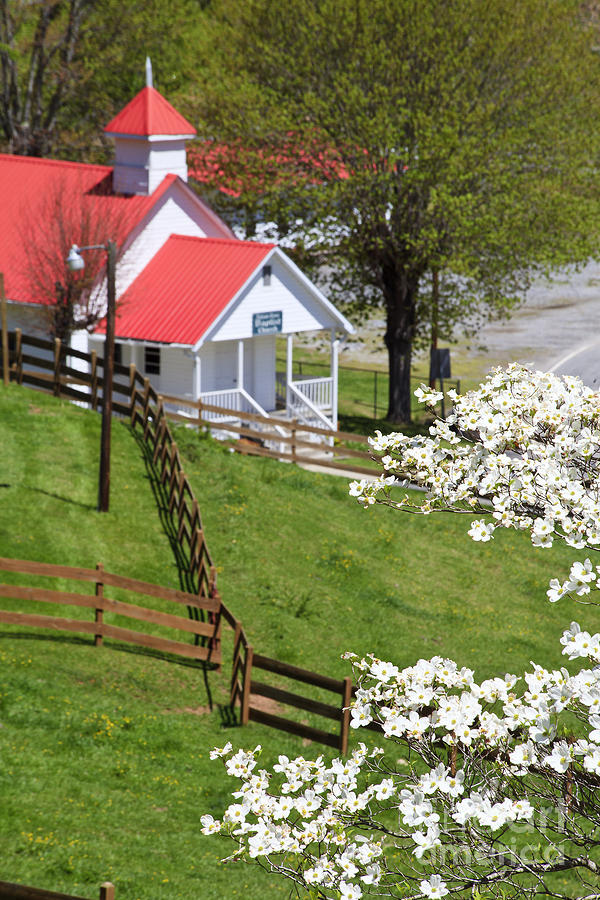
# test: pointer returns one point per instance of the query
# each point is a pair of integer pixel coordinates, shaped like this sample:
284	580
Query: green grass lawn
104	751
362	390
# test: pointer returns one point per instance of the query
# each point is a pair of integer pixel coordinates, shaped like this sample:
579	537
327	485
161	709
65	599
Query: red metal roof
149	113
32	188
185	287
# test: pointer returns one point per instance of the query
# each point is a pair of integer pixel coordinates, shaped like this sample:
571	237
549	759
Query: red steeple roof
149	113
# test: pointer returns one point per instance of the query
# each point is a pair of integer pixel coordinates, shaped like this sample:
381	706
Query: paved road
583	361
557	329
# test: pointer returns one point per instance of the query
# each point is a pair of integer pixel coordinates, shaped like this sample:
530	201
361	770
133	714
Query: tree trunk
400	293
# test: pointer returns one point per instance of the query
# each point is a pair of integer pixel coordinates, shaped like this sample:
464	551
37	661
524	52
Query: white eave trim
151	137
130	342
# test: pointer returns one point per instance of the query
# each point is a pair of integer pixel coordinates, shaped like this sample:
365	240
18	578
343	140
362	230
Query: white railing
319	391
229	399
257	408
236	400
303	409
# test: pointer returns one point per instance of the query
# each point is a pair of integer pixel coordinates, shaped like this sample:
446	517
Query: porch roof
185	287
191	285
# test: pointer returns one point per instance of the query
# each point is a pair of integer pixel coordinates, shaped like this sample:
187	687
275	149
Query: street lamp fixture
76	263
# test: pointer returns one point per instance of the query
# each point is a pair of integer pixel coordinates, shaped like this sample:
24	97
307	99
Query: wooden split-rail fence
145	410
10	891
245	689
99	604
288	440
250	433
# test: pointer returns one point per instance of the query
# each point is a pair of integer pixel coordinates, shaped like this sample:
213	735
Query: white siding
142	163
176	373
33	320
219	366
301	311
176	213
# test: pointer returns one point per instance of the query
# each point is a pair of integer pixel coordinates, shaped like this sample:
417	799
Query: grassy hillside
104	751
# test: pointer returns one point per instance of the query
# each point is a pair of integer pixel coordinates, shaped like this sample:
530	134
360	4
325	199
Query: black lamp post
76	262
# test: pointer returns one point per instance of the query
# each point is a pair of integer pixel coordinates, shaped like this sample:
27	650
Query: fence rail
10	891
303	440
245	689
100	604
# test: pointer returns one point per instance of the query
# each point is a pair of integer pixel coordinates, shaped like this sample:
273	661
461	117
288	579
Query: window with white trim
152	360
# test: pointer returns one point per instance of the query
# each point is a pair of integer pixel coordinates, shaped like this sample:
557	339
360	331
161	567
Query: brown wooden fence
146	409
10	891
296	442
245	688
99	604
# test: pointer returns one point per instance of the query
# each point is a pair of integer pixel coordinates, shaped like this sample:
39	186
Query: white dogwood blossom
483	788
524	449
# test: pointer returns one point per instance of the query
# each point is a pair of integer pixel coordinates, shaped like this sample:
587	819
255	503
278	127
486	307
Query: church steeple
149	72
150	138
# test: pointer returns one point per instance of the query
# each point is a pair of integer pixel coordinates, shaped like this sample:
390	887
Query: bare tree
32	96
70	213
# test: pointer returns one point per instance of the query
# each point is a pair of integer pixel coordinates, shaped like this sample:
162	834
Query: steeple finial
148	72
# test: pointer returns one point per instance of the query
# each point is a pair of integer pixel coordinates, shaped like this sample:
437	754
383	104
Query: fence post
94	380
19	355
99	594
196	544
195	517
146	405
107	891
345	724
233	693
177	492
158	441
375	397
199	414
215	617
293	425
132	373
245	710
57	346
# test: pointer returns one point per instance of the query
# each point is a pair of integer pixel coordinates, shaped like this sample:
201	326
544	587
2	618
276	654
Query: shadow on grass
182	559
228	716
115	646
86	506
161	498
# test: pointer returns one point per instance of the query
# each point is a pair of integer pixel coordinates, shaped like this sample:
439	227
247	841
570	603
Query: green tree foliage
67	66
420	143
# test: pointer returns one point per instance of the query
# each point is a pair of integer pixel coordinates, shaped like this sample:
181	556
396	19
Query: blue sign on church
267	322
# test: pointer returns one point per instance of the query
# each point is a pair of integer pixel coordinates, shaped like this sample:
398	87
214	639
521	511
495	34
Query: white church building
199	312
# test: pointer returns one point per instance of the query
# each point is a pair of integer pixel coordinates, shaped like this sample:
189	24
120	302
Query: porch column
288	375
335	344
240	378
197	390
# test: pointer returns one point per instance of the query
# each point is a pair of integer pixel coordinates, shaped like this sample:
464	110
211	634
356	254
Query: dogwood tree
496	792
